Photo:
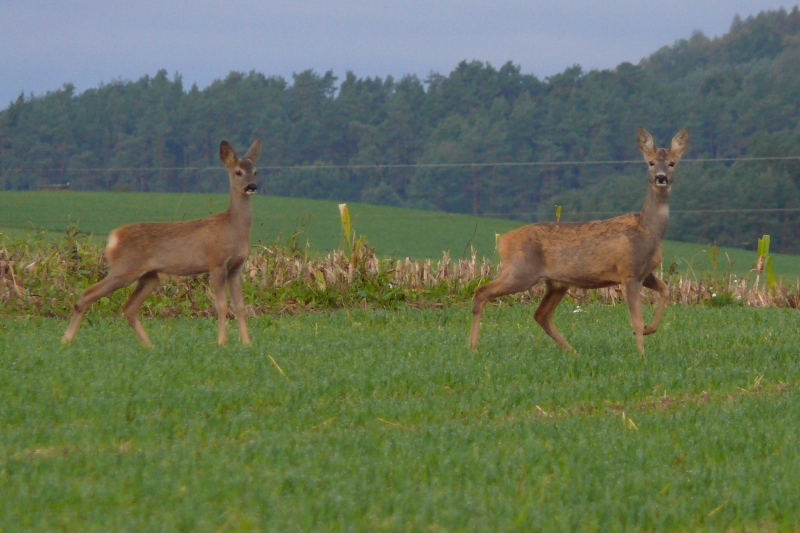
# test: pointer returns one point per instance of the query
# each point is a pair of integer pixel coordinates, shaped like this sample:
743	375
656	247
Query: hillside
737	94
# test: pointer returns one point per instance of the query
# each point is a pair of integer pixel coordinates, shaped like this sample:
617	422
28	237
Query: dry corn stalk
43	280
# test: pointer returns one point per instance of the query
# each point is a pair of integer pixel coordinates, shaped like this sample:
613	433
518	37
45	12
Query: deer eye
652	163
672	164
238	172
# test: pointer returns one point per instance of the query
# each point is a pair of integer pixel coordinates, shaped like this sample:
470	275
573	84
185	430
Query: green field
345	421
393	231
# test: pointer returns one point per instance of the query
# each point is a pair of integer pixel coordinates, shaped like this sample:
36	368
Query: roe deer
218	244
622	250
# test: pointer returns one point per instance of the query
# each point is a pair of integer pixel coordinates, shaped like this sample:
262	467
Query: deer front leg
655	284
218	277
633	294
237	299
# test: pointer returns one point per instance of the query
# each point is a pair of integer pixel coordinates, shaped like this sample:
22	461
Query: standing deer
218	244
622	250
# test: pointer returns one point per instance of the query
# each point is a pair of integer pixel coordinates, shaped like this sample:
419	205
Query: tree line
738	94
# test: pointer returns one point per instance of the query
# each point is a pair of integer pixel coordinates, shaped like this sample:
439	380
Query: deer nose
250	188
661	179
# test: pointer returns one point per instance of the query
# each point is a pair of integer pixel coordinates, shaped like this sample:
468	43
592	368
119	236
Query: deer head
242	172
661	162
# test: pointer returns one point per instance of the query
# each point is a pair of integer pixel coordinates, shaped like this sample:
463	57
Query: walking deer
622	250
218	244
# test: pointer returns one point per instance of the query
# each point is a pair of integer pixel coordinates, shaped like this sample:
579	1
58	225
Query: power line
671	212
435	214
407	165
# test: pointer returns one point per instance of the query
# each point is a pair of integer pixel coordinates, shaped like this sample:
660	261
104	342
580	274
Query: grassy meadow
394	232
345	421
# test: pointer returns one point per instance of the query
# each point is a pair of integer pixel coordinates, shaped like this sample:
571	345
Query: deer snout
661	179
250	188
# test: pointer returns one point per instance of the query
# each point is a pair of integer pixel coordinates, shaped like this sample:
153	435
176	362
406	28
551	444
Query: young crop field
384	421
394	232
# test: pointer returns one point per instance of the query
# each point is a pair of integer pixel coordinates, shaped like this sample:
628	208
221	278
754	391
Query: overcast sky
45	43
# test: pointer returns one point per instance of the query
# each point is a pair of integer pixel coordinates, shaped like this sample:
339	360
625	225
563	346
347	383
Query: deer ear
227	154
645	140
254	151
680	142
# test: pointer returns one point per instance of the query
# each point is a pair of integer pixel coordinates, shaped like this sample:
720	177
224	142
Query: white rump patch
113	241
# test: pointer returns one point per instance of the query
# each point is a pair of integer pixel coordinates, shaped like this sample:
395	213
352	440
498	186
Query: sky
46	43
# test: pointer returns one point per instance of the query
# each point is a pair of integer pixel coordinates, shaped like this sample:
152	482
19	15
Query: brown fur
622	250
218	244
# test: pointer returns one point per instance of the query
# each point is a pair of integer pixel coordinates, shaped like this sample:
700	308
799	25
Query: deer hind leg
104	287
130	309
237	299
509	281
544	313
219	277
653	283
633	295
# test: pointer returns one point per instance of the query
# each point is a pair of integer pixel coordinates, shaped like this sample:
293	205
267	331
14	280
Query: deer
623	250
217	245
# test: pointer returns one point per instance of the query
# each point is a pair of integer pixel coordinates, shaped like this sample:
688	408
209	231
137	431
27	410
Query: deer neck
655	213
240	212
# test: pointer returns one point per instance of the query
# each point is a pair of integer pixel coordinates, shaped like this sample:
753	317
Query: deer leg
130	309
653	283
507	283
237	299
633	294
544	313
219	276
104	287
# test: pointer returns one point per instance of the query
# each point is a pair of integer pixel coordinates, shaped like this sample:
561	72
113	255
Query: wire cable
405	165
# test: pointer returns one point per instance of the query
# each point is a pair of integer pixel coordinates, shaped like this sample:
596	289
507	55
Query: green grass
345	421
395	232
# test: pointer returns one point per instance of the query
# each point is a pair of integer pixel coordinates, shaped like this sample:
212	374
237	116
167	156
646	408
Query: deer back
588	255
179	248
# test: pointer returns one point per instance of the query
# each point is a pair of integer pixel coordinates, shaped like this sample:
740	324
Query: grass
395	232
344	421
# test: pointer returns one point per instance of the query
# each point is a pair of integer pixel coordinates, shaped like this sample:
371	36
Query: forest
383	141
